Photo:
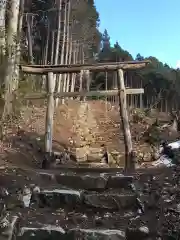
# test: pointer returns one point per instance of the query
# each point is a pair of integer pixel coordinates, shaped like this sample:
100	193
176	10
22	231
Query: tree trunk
52	48
19	34
81	74
62	53
2	38
69	62
58	34
45	57
56	58
75	55
46	46
10	79
29	38
2	26
67	47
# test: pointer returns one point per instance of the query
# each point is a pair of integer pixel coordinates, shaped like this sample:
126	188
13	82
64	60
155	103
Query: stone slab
57	198
119	181
101	234
86	182
41	232
111	201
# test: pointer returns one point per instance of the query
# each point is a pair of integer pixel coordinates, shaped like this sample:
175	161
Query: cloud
178	64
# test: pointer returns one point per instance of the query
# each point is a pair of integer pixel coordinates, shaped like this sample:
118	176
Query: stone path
67	205
86	129
96	205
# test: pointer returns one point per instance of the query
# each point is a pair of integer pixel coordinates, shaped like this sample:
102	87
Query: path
82	206
86	128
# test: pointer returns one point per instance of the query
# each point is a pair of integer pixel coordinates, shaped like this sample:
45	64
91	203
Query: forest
67	32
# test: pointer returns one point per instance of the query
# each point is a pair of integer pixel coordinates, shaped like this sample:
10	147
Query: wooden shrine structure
121	92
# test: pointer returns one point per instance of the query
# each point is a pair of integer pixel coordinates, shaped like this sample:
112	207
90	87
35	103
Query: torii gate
121	92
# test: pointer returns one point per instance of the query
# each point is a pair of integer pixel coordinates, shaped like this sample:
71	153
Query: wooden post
49	113
80	83
87	80
125	122
141	101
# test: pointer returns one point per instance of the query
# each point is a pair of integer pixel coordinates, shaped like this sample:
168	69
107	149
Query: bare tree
74	60
11	82
29	37
58	33
2	25
52	46
67	49
59	84
19	34
69	62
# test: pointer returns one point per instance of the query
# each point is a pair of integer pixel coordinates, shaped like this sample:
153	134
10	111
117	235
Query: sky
151	28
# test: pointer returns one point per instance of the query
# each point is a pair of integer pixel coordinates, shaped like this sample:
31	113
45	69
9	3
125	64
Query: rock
35	194
105	234
2	210
47	176
86	182
111	201
19	198
26	197
4	221
140	233
36	189
3	193
82	152
178	208
9	232
41	232
119	181
58	197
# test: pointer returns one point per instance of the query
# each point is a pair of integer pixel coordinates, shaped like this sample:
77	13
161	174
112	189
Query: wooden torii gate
121	92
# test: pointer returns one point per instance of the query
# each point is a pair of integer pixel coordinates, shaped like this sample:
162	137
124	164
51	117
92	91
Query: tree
11	81
2	26
139	57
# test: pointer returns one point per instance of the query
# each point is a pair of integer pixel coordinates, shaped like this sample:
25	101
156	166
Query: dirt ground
74	125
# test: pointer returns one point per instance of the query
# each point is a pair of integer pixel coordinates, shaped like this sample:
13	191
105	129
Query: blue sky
151	28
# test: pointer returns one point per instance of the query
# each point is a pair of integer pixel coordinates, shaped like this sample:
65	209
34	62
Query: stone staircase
90	136
86	203
69	205
86	128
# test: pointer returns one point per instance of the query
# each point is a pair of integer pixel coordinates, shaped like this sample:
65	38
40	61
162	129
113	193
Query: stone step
35	224
57	198
84	230
69	219
70	199
78	168
55	232
112	201
41	224
88	153
86	182
82	234
41	232
90	182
